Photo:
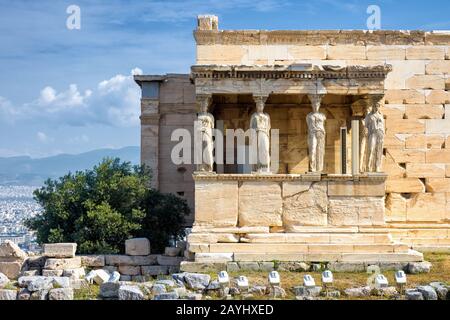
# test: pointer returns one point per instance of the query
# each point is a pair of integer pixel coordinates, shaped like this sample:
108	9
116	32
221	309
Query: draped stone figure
374	123
363	134
204	126
316	134
260	122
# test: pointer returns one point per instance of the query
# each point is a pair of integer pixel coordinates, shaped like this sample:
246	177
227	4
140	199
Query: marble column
316	134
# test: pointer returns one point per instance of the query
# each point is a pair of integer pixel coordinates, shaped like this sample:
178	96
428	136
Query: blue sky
70	91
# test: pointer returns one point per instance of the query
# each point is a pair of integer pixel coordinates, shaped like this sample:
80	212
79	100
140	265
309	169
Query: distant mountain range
25	170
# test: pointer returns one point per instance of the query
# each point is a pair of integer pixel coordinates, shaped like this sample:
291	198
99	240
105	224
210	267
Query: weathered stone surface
121	260
293	266
307	291
428	292
24	294
346	267
61	264
154	270
78	284
169	261
306	206
413	294
358	292
30	273
158	289
172	251
74	274
93	260
212	237
216	203
172	295
52	273
109	290
39	295
11	269
426	207
61	294
127	292
260	204
213	257
3	280
387	292
441	289
8	294
9	251
130	270
425	53
356	188
60	250
137	247
101	276
196	281
249	266
361	211
277	292
419	267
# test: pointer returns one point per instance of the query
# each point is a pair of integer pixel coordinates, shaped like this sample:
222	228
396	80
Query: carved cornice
320	37
290	72
199	176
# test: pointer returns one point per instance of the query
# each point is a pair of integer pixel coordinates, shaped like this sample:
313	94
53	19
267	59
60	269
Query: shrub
100	208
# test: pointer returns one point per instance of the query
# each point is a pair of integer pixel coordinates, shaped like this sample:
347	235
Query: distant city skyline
71	91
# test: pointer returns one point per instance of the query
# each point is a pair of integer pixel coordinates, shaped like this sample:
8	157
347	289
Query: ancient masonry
342	213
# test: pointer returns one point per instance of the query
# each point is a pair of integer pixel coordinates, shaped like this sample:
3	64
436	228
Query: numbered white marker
381	281
327	277
308	281
242	282
223	278
400	277
274	278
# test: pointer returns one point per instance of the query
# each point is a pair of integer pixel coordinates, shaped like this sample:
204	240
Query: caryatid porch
318	214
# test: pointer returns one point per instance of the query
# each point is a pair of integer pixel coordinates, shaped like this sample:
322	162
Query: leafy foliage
100	208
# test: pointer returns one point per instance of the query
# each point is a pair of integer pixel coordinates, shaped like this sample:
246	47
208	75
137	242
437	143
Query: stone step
308	238
408	256
296	248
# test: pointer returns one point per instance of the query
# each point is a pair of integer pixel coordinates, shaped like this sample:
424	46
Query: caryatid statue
316	134
260	122
374	123
205	124
363	134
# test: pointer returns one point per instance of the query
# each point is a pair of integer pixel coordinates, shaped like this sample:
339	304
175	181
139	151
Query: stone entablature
320	37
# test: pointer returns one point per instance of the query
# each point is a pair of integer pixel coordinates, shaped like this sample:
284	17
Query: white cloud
42	137
115	102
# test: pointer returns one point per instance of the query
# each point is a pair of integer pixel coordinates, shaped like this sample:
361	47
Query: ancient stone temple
361	172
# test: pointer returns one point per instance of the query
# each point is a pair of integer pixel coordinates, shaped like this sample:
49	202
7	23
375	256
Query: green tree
100	208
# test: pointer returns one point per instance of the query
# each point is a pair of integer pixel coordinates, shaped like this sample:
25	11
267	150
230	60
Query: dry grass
343	280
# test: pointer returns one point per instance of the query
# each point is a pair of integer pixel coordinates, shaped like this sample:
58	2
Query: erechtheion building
363	122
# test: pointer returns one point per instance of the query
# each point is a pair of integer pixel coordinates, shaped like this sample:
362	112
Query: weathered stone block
213	257
425	170
61	264
425	53
356	188
8	294
438	67
9	251
437	184
427	207
121	260
60	250
307	52
431	82
386	52
61	294
11	269
216	203
52	273
260	204
130	270
154	270
350	211
426	111
405	185
399	96
169	261
137	247
346	52
303	206
93	261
